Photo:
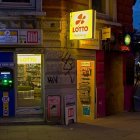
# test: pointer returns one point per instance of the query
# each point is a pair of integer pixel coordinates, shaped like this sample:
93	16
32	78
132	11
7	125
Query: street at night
124	126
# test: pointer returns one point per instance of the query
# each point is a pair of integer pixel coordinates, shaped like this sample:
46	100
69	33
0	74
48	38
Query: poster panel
70	108
85	90
54	109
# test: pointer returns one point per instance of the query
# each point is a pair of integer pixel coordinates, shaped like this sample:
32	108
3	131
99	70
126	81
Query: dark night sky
136	15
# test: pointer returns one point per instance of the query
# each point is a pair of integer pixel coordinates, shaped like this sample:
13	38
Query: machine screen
6	80
5	75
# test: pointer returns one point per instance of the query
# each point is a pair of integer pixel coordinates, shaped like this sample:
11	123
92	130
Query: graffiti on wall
60	67
68	64
52	79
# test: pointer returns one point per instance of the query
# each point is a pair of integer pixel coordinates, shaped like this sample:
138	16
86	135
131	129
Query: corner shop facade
63	68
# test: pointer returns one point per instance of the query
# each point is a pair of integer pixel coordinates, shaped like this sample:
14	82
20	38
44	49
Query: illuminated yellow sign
106	33
82	24
29	58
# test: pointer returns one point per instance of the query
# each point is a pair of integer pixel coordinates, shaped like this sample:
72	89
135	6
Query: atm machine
7	96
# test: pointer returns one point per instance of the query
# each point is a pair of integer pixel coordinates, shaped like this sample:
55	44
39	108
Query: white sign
30	37
70	108
29	59
5	99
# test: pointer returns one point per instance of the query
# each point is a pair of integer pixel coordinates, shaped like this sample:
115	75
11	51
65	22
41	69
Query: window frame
18	5
106	12
106	15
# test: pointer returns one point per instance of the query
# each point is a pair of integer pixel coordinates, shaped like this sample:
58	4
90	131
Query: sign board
29	59
86	110
20	37
8	36
70	108
85	90
5	100
29	37
106	33
82	24
54	108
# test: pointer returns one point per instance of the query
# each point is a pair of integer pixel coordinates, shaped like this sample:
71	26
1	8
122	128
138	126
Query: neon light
127	39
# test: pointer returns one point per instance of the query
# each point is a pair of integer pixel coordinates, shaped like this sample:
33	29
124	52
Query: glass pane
29	80
99	6
24	1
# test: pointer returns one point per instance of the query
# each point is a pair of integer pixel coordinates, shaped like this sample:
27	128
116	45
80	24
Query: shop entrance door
29	87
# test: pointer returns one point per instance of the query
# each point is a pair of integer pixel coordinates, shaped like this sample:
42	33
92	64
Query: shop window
100	5
106	9
26	1
28	80
21	4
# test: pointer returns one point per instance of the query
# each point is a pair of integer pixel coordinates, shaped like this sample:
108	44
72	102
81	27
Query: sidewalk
124	126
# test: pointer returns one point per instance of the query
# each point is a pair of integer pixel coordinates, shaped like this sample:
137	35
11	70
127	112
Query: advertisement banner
30	36
21	36
70	108
8	36
54	109
86	90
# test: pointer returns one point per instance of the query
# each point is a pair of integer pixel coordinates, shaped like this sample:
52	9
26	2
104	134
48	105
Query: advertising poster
20	36
54	109
86	110
85	90
70	108
8	36
5	100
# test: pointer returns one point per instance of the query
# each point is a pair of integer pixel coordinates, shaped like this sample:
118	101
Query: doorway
114	83
29	84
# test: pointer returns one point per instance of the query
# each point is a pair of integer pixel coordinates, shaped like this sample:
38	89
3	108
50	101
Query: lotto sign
32	37
82	24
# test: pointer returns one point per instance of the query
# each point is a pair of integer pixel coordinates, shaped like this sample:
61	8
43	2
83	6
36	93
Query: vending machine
7	96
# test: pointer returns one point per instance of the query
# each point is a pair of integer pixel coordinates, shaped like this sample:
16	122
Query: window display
29	80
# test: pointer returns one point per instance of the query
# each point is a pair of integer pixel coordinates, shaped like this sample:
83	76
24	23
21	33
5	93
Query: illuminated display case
29	80
29	75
